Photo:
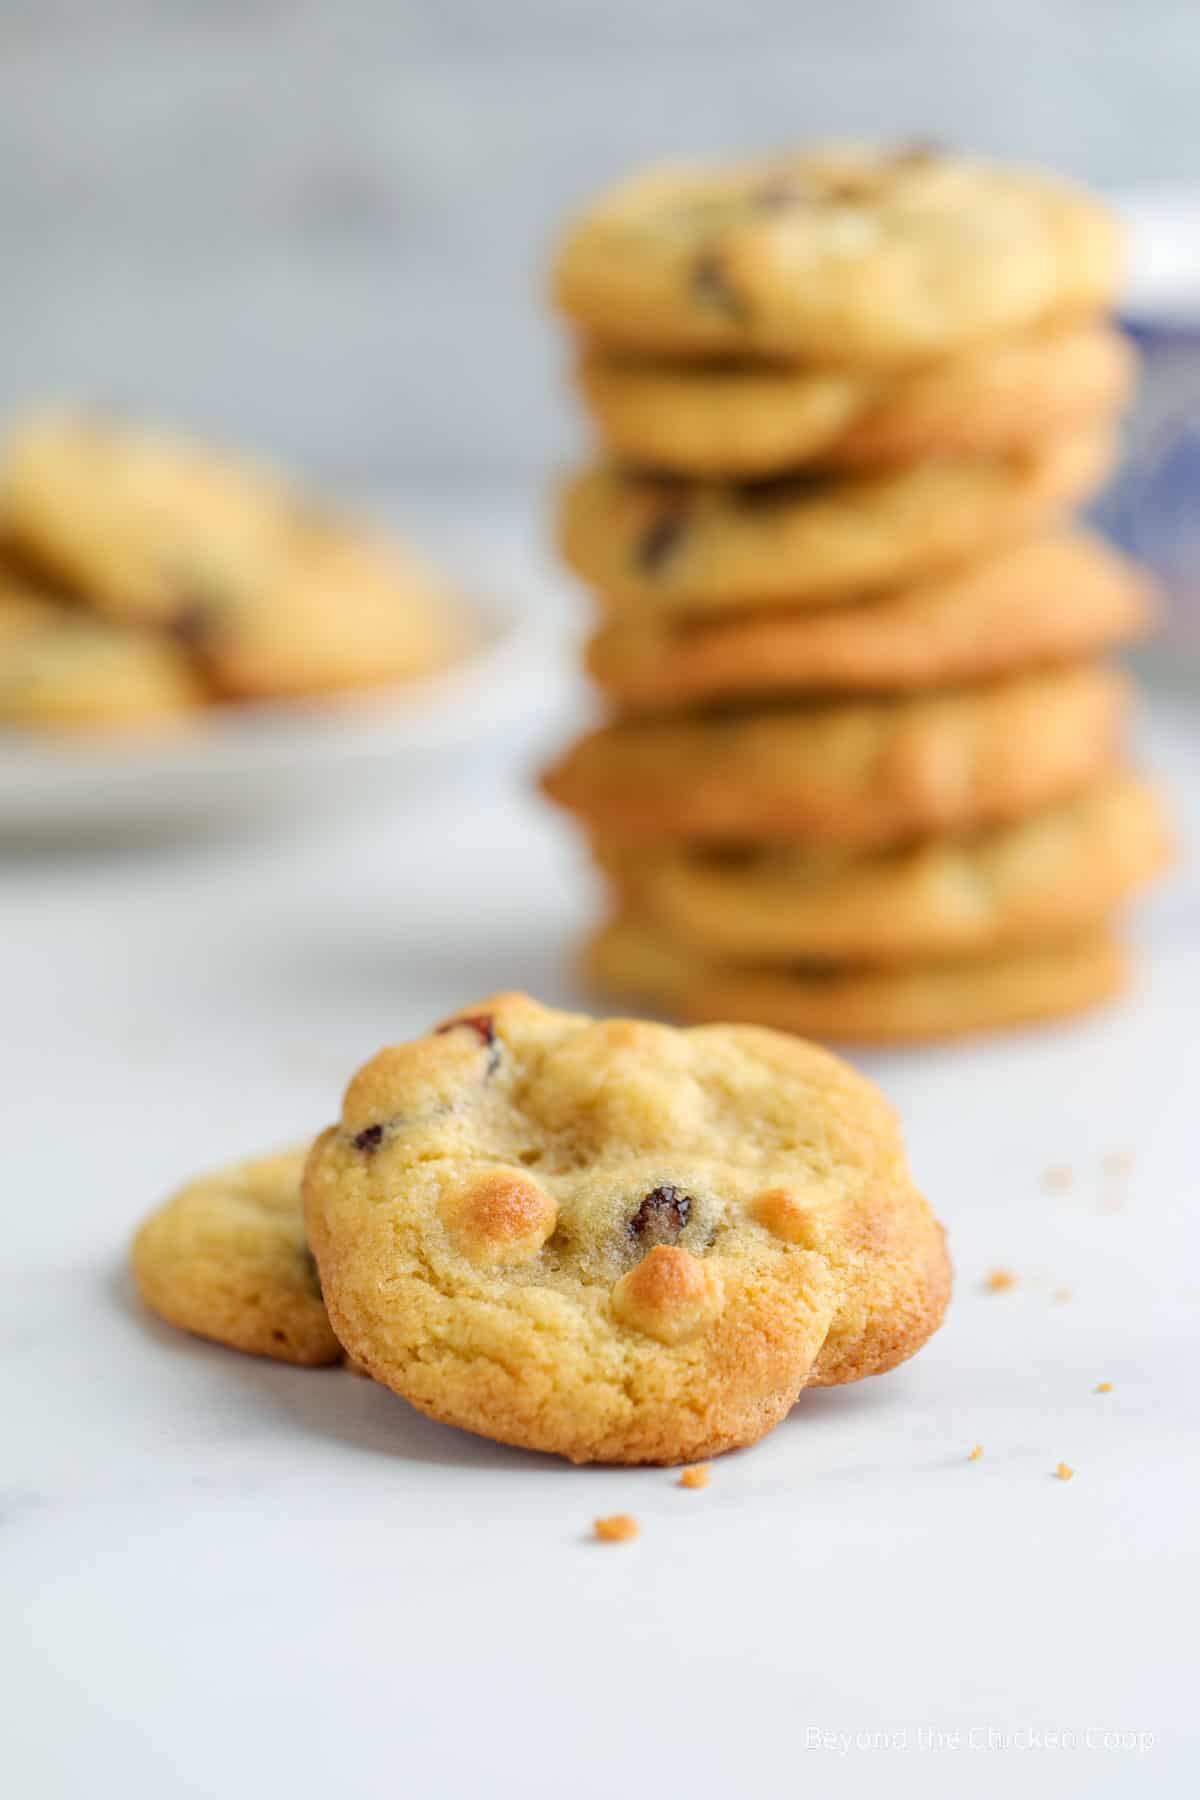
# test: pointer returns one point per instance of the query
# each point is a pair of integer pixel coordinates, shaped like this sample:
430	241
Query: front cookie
613	1240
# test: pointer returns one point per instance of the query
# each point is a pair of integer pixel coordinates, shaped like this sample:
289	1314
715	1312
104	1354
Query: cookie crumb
1058	1178
1117	1162
1061	1295
1104	1387
696	1477
976	1453
1000	1280
1064	1471
618	1528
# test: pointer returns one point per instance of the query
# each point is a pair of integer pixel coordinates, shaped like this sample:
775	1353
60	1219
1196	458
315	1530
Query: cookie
616	1241
23	611
856	772
744	421
1039	601
268	593
1053	874
665	546
634	958
840	253
227	1258
61	671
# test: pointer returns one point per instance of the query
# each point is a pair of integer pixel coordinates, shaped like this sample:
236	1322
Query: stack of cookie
864	777
143	578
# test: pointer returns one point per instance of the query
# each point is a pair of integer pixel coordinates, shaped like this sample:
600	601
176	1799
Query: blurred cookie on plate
268	593
62	670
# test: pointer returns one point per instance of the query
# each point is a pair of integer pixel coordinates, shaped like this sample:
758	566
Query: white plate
243	760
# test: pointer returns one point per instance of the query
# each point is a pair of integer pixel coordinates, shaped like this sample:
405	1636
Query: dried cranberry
369	1138
484	1027
661	1216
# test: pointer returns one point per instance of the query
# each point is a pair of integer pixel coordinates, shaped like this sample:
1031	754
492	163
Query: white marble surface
223	1578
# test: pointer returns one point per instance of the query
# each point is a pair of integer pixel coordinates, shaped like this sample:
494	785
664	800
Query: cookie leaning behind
859	772
226	1258
747	421
268	593
678	548
637	959
617	1241
1049	875
1040	601
841	253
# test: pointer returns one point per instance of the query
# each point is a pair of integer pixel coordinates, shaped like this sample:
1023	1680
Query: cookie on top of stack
143	578
864	776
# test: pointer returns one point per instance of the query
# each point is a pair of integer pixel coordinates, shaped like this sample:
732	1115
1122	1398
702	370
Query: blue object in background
1153	508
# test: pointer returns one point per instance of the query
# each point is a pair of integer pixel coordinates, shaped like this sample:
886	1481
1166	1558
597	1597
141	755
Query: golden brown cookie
841	253
62	671
744	420
1052	874
613	1240
665	546
858	772
269	594
1039	601
226	1257
846	1003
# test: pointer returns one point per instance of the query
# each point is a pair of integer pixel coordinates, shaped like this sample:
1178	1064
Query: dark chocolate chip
369	1138
657	542
711	286
661	1216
